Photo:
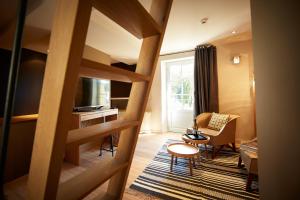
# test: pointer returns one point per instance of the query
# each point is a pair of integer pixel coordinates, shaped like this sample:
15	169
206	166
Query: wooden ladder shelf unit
64	65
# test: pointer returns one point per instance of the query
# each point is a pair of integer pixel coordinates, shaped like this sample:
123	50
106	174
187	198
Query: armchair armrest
202	120
227	133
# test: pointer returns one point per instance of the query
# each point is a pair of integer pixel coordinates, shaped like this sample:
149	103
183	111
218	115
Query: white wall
276	42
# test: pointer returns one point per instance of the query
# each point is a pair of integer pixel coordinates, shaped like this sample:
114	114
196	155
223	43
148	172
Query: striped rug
212	179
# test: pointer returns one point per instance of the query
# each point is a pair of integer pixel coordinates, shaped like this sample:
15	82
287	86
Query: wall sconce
236	60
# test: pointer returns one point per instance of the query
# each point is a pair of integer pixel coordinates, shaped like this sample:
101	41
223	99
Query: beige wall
276	33
235	86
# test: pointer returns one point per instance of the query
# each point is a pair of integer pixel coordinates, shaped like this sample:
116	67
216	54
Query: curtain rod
186	51
177	52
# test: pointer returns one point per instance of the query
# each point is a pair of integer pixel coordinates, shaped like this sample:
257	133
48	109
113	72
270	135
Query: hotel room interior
149	99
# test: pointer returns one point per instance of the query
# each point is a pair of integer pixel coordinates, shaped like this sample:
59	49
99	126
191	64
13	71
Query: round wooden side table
196	142
183	150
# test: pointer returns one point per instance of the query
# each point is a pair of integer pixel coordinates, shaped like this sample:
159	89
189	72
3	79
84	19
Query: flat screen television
92	94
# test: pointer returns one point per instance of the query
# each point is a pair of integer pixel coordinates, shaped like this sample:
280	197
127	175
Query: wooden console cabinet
84	119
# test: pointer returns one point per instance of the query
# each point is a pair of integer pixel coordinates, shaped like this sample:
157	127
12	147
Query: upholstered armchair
225	136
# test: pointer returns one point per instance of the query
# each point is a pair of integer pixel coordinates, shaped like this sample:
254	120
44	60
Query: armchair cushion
209	132
217	121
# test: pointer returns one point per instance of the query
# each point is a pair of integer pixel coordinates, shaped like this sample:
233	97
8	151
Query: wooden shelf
131	15
83	135
119	98
98	70
22	118
89	180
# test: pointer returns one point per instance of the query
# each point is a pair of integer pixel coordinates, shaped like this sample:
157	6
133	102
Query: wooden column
139	95
67	41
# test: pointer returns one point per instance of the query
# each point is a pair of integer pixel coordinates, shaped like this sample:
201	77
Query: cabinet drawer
91	116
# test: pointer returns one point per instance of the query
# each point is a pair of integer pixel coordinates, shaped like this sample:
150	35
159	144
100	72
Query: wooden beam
94	132
139	95
67	41
98	70
131	15
81	185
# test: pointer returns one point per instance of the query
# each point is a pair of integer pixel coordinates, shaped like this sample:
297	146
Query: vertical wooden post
139	95
67	41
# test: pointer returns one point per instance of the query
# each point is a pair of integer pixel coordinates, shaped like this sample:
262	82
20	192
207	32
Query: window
180	93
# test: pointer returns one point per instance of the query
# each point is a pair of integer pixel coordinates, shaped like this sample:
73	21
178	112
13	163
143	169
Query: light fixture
236	60
234	32
204	20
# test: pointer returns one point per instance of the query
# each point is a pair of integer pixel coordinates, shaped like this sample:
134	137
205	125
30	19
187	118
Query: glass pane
176	87
187	86
174	71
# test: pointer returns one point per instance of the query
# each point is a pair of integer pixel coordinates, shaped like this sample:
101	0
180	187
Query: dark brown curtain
206	80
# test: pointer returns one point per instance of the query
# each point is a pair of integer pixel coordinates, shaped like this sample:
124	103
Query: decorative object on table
196	139
248	154
212	179
218	138
195	134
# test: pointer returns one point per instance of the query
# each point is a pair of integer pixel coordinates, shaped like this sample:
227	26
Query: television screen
92	93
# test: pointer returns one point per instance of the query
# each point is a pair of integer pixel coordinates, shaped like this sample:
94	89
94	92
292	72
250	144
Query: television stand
84	119
87	109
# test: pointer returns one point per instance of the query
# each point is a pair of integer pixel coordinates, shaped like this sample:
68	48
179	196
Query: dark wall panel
30	81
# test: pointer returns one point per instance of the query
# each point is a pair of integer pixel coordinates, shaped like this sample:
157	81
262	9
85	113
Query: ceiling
184	30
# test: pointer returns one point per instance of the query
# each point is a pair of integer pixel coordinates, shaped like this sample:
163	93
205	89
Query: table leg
175	160
199	157
240	162
206	153
171	167
194	164
191	168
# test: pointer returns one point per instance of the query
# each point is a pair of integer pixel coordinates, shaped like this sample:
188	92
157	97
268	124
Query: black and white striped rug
212	179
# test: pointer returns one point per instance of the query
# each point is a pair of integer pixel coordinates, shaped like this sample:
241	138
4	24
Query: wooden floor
147	147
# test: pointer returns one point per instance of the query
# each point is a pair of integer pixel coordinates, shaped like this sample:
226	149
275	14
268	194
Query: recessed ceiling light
204	20
233	32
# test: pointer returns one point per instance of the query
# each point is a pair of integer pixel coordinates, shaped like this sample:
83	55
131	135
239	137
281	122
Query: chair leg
111	146
213	152
233	147
100	150
249	181
216	151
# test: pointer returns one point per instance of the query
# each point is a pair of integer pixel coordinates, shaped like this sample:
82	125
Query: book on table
195	136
